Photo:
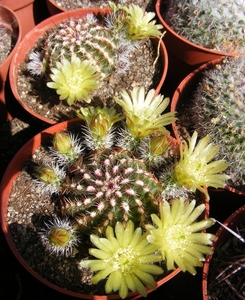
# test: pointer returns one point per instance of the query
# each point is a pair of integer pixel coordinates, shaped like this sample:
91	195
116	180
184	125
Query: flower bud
158	144
46	175
59	237
62	142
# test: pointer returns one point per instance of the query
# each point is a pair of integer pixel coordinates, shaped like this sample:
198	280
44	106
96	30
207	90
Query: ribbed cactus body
220	103
215	24
86	38
108	187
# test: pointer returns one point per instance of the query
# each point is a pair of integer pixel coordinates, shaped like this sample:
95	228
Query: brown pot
222	235
186	51
11	21
30	39
25	11
11	174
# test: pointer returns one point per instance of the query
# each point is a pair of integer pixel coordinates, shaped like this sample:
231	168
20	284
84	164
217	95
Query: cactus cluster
214	24
81	53
219	101
110	181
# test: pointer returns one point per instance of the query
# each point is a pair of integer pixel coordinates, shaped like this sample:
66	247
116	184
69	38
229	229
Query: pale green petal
101	275
94	265
113	282
150	268
201	238
99	253
139	286
195	214
188	210
146	278
123	291
201	225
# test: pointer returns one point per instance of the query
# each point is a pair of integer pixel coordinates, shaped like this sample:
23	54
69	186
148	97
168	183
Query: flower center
124	259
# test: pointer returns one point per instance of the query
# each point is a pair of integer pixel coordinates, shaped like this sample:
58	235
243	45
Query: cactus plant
216	25
80	54
112	183
219	101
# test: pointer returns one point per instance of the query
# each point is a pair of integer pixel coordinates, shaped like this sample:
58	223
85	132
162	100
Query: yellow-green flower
74	80
195	170
126	258
144	112
176	234
140	23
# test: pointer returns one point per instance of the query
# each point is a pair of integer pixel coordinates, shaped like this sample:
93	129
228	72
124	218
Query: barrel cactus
219	101
81	53
113	179
217	25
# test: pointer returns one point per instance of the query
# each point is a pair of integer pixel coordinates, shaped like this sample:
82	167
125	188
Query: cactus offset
219	101
214	24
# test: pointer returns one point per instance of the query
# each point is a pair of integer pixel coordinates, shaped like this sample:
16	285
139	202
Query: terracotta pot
25	11
11	21
222	235
183	49
12	173
30	39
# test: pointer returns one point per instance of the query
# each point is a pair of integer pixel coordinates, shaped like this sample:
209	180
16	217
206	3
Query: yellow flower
140	23
74	80
144	113
195	170
126	258
176	234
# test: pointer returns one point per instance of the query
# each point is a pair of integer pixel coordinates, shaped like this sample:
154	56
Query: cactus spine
214	24
219	101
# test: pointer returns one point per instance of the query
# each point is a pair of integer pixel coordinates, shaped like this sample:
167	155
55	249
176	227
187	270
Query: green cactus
101	188
219	101
81	53
102	183
214	24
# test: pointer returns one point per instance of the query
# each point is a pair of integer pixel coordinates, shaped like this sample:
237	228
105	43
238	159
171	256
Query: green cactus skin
219	101
214	24
107	187
86	38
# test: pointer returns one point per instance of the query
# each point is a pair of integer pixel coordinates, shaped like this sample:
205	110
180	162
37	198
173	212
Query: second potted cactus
87	56
211	101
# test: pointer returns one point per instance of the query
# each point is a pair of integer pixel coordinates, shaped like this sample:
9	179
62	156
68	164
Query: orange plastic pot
186	51
25	11
12	173
222	235
11	21
30	39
